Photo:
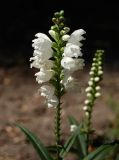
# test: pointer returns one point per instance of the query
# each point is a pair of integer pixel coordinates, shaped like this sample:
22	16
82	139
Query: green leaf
81	137
101	152
37	144
82	142
72	120
67	146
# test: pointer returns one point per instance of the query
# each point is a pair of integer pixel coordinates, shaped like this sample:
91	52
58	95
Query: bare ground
19	102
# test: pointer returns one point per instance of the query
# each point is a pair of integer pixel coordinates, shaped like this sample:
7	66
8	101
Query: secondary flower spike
57	58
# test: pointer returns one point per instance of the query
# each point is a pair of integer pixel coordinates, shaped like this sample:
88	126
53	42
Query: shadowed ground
19	102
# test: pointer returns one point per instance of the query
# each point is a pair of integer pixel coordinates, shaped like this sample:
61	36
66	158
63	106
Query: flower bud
87	114
86	101
93	68
100	63
100	72
97	94
96	79
67	29
98	88
90	83
89	95
62	32
61	18
85	108
61	12
94	59
91	79
53	27
52	33
91	73
65	37
93	64
88	89
57	14
73	127
100	67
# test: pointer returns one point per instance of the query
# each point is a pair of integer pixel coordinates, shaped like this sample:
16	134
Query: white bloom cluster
71	61
41	60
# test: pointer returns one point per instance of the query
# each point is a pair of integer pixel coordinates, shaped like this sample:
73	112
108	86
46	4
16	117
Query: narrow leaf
37	144
81	137
68	145
100	152
82	142
72	120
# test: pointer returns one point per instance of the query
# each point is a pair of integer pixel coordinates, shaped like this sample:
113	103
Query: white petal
43	76
47	91
44	54
72	64
42	43
39	63
72	50
53	102
76	36
43	36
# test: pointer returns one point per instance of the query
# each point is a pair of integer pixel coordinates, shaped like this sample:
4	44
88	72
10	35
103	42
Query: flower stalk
56	60
57	46
93	91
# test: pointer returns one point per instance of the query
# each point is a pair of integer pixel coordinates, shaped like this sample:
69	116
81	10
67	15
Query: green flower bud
54	20
57	14
54	27
61	13
62	32
61	19
67	29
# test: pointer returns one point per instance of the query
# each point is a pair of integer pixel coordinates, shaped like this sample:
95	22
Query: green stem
58	130
88	132
88	126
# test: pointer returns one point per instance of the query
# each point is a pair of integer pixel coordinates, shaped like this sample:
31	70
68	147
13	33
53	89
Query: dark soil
20	102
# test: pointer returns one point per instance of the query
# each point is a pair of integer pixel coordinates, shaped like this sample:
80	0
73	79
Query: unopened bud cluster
93	89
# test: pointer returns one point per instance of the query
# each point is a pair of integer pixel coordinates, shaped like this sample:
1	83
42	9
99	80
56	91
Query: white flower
44	54
42	43
76	36
73	127
48	64
72	50
72	64
44	76
47	91
52	102
70	83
